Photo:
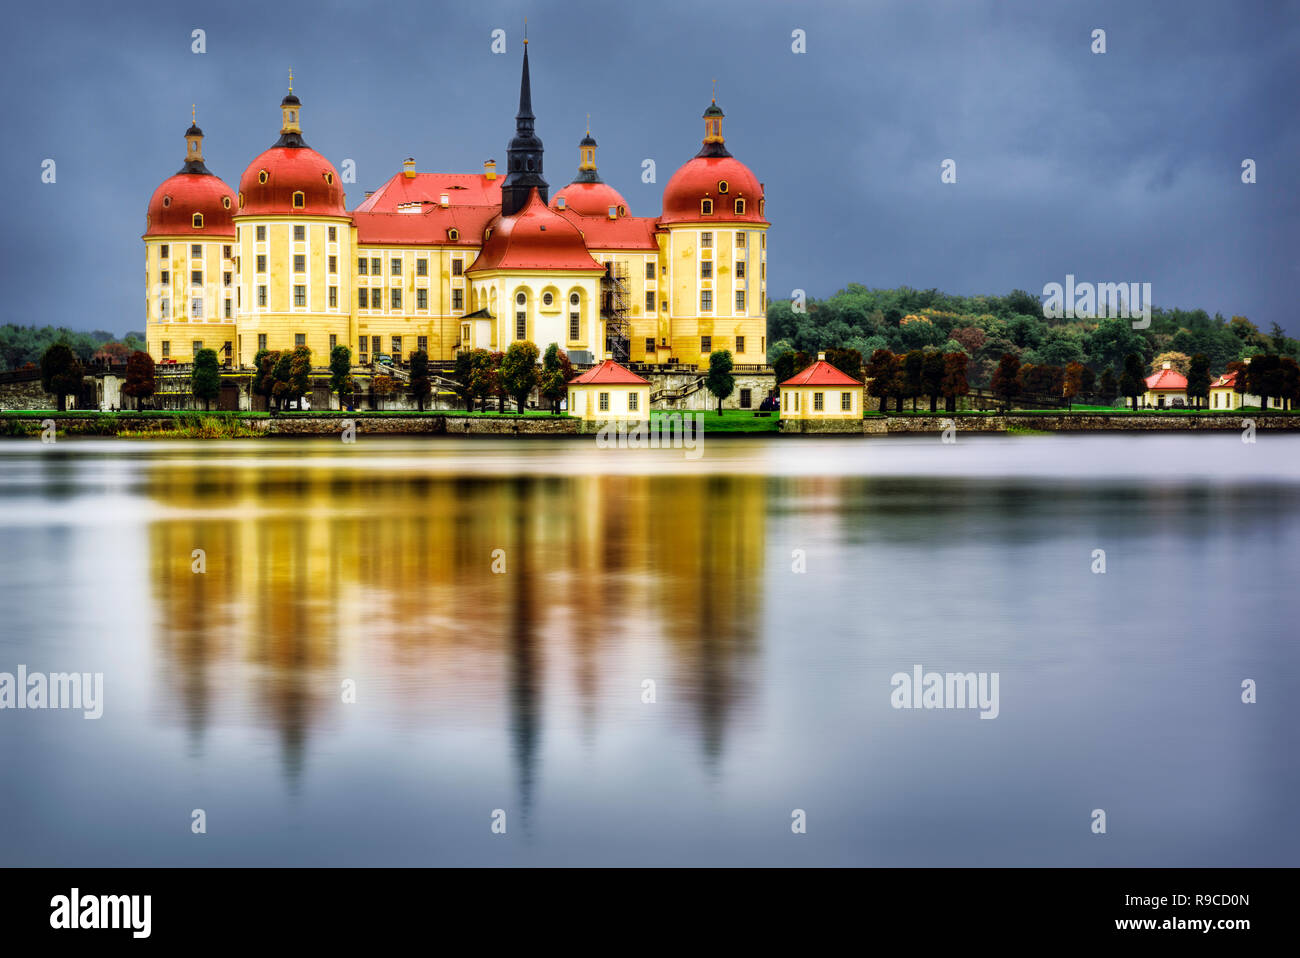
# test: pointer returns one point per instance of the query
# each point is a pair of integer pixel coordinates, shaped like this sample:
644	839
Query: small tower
587	158
194	148
524	155
291	120
714	144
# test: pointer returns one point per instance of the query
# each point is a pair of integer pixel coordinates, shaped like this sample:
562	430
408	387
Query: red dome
590	199
174	203
289	170
699	179
534	238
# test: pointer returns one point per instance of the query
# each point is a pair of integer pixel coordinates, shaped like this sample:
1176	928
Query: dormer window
241	200
453	234
299	199
560	202
198	221
225	201
740	207
706	207
167	201
722	186
613	212
761	204
329	178
263	176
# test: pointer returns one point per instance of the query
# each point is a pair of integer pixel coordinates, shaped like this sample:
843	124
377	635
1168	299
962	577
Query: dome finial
715	89
290	79
194	119
525	31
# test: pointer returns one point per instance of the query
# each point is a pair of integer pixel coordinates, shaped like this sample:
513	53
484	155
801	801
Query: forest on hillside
20	345
987	327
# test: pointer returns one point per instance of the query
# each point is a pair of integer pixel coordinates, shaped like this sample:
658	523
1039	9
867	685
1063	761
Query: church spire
524	154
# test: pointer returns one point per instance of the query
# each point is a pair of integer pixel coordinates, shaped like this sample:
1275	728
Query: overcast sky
1115	167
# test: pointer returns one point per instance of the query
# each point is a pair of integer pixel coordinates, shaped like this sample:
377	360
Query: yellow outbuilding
609	392
821	392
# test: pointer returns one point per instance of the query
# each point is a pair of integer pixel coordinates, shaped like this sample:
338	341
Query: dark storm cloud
1116	167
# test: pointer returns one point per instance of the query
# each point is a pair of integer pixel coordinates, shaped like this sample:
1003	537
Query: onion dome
534	238
588	194
194	202
713	186
291	177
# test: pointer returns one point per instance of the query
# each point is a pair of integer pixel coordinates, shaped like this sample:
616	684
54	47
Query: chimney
409	167
369	193
1166	366
490	170
444	200
821	357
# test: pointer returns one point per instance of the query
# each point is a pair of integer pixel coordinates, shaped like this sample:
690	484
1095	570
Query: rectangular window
196	251
397	347
164	307
334	339
261	341
300	339
166	276
762	271
334	235
299	263
706	344
633	399
261	296
706	241
740	344
196	277
300	296
230	311
457	299
706	300
167	348
521	325
457	267
740	241
165	250
740	300
422	267
299	233
706	269
374	342
746	398
227	278
397	266
376	266
261	234
397	298
649	344
195	347
196	307
362	265
334	297
261	262
575	325
604	402
421	299
422	343
740	269
225	252
846	402
819	401
650	301
334	264
649	270
362	300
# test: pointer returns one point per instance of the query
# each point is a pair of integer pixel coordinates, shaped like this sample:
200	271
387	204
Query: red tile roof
821	373
1226	381
626	232
534	238
609	373
462	189
1167	379
426	227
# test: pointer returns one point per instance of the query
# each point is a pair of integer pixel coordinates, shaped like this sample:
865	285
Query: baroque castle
444	262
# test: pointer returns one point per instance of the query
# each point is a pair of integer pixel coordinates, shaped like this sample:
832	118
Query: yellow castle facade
449	262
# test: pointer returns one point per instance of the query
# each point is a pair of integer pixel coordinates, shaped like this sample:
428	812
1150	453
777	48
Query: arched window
454	234
575	317
241	200
198	221
706	207
167	201
329	178
225	201
263	176
299	199
740	206
574	299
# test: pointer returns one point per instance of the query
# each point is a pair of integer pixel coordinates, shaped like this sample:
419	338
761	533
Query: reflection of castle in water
318	575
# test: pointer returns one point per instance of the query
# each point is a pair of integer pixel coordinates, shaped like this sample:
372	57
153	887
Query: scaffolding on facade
615	297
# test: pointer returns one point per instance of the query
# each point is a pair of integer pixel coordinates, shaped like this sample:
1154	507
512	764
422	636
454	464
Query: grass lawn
731	420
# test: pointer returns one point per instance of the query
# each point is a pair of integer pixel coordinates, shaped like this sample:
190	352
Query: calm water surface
522	691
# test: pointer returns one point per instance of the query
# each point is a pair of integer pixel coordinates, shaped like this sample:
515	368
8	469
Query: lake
635	657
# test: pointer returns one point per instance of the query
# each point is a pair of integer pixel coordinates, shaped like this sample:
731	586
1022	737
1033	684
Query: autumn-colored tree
882	370
61	372
482	376
1179	362
1006	380
932	372
556	373
1073	383
954	383
380	387
139	383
